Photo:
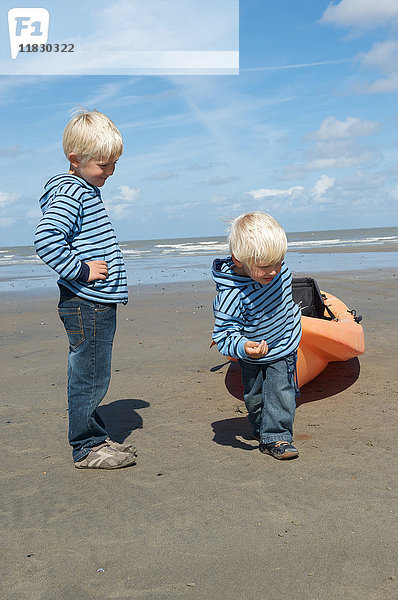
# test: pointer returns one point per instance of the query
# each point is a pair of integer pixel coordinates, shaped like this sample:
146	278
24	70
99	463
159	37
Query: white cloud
272	193
319	63
327	156
358	191
321	186
335	147
7	198
352	157
297	198
385	85
128	194
120	205
382	56
365	14
333	129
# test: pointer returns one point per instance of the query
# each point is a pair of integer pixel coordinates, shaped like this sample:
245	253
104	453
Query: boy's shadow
227	431
337	377
121	417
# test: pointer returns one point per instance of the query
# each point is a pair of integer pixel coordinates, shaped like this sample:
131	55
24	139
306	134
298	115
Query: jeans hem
270	439
84	451
81	454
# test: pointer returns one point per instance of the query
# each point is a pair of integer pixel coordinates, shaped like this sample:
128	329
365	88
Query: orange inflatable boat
334	335
324	341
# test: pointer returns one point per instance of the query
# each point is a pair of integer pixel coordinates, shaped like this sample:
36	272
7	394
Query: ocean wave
169	252
14	259
135	252
344	242
201	247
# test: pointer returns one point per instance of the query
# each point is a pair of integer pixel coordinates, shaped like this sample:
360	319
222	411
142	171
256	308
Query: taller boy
257	322
76	239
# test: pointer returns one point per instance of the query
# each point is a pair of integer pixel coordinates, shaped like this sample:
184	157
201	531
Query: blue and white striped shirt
75	228
246	310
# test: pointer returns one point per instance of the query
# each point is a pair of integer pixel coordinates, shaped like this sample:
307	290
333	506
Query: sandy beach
203	514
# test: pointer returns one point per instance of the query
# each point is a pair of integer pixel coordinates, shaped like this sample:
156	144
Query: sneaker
129	448
281	450
105	456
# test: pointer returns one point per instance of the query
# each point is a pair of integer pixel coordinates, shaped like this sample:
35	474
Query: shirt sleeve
228	326
54	233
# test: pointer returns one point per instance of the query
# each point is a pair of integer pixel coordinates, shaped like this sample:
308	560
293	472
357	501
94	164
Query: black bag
307	295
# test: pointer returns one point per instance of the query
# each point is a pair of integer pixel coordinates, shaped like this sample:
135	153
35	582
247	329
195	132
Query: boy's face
94	171
260	272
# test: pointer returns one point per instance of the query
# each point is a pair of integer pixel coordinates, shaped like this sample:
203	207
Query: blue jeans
270	392
90	327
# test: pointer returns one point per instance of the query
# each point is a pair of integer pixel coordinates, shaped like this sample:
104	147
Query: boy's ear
237	262
74	161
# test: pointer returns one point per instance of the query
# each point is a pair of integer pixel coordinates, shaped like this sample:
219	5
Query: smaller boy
257	322
76	239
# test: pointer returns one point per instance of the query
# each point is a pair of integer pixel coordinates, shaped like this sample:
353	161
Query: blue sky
307	131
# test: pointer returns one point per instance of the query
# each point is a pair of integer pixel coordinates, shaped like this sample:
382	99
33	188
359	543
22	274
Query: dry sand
203	514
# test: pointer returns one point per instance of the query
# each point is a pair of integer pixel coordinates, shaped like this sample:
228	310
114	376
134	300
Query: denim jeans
270	392
90	327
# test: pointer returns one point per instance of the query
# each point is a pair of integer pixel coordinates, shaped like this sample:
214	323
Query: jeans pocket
73	323
104	322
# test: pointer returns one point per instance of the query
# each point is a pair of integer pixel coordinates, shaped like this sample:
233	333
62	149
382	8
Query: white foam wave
192	248
13	259
345	242
135	252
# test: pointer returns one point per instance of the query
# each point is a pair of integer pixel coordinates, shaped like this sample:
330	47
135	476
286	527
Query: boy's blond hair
91	134
256	238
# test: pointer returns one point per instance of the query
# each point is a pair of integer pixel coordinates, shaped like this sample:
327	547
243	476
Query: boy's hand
98	270
256	349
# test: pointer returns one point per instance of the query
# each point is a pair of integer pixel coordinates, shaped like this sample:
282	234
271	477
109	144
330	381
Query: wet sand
203	514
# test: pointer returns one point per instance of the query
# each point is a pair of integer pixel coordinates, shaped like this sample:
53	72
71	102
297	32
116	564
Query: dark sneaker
121	447
281	450
105	456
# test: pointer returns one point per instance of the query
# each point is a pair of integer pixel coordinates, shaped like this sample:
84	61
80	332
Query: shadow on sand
337	377
227	432
121	417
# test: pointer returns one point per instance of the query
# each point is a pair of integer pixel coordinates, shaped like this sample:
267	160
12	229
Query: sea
190	259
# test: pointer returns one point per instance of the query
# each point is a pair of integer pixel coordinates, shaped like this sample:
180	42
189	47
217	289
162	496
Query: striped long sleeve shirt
246	310
74	229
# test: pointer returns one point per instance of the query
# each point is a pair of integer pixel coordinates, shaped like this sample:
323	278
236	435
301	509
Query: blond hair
91	134
256	238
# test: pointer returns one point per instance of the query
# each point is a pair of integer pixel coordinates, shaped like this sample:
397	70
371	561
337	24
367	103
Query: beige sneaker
105	456
121	447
